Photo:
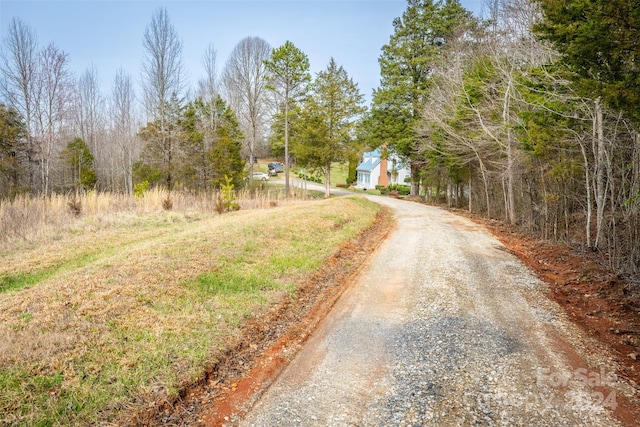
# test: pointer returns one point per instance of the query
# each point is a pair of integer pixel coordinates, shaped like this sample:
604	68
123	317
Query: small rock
633	356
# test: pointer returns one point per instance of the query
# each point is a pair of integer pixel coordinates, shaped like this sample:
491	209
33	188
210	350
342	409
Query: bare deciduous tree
123	123
89	111
244	79
18	68
208	90
52	100
208	85
163	77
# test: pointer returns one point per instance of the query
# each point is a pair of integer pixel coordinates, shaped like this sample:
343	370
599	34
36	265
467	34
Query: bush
167	204
382	189
140	188
311	178
402	190
227	200
75	206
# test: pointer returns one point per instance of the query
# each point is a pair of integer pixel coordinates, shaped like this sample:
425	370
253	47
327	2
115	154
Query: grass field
105	310
339	173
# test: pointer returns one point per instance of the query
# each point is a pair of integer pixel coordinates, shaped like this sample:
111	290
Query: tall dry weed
32	219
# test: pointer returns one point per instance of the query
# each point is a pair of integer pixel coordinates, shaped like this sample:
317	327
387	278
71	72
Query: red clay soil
599	301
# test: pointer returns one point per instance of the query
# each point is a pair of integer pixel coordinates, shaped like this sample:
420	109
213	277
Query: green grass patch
101	247
21	280
339	173
12	282
229	282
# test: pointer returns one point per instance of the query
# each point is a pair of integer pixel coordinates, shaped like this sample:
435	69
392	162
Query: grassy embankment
115	305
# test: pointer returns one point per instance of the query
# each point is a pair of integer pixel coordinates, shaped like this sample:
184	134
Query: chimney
383	179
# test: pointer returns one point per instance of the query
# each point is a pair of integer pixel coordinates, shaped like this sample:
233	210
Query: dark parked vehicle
276	167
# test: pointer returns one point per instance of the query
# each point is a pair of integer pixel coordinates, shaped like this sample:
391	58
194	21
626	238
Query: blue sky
108	33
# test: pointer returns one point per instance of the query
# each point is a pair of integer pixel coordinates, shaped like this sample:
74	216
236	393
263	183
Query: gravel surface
443	327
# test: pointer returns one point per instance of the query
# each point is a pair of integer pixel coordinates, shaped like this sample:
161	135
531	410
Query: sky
108	33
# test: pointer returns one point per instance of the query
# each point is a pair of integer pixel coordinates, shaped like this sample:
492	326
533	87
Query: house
374	170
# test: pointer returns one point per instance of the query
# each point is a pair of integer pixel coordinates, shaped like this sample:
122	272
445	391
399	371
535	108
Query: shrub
75	206
140	188
226	200
167	204
312	178
403	190
382	189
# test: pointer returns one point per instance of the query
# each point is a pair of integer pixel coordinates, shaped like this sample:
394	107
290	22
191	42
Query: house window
364	178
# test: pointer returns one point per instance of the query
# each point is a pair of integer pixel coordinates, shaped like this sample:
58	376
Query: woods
527	114
534	133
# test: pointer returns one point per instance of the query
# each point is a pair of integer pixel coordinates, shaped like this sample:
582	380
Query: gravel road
443	327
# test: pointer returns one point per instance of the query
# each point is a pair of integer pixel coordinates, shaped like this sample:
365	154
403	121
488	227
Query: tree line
59	133
527	115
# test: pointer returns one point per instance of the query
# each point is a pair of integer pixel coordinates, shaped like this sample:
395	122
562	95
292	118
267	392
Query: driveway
295	182
443	327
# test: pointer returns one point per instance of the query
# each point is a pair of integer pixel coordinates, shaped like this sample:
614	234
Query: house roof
368	164
371	159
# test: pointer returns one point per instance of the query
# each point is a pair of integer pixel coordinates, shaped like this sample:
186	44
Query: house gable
373	170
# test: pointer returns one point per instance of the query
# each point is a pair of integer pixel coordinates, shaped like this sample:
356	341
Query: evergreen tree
163	139
406	68
201	152
599	42
277	138
288	75
79	161
227	164
12	134
327	124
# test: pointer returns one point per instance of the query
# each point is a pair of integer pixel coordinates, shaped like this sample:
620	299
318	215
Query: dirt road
444	327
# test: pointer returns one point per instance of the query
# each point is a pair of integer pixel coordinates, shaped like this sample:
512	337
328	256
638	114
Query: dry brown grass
33	220
132	302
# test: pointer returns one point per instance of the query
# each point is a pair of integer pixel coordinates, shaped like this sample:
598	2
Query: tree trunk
587	182
545	209
510	204
286	143
485	182
415	179
327	180
470	210
599	151
505	198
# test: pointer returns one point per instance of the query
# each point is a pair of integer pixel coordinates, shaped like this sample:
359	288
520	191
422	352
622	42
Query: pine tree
599	42
327	124
79	161
288	76
406	67
12	134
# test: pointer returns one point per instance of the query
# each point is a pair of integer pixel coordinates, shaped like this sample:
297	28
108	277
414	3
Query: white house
374	170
